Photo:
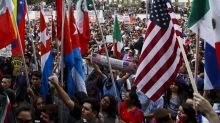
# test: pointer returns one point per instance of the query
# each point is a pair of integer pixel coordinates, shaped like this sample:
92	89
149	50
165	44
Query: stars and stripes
160	56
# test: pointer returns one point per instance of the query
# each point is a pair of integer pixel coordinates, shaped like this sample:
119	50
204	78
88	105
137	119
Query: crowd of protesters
178	104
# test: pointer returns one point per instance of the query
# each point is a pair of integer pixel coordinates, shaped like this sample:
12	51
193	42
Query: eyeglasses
20	120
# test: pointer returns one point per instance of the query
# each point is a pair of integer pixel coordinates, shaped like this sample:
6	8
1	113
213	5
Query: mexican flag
118	45
205	16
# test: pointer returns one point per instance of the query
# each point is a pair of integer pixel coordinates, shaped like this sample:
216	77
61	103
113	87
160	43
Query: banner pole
106	50
32	41
21	50
62	40
192	80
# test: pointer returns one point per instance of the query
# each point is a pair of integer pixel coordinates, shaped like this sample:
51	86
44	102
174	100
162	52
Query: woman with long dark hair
186	114
130	108
108	112
173	98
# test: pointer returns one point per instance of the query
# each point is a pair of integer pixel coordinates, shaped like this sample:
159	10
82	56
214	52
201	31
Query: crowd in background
99	105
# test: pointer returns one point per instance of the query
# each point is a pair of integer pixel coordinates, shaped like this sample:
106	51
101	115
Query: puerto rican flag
79	74
46	56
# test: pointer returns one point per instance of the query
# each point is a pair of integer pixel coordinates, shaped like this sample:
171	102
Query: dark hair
180	92
112	109
23	107
200	67
36	73
21	88
35	101
134	97
7	77
190	112
79	97
161	115
94	103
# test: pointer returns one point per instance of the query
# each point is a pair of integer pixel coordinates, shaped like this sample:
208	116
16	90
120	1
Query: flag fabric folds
82	22
212	71
160	56
5	109
59	18
79	74
21	12
7	34
54	31
205	16
118	45
69	59
46	56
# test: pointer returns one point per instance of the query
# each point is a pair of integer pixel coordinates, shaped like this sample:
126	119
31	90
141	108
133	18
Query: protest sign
115	63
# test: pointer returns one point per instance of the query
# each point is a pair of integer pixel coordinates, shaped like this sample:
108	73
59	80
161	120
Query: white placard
109	39
6	52
126	19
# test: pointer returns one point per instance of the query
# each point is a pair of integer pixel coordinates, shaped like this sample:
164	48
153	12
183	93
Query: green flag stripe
116	32
199	9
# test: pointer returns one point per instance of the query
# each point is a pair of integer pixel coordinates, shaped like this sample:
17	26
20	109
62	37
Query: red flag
21	9
59	18
7	33
45	40
54	32
160	57
86	35
83	25
73	30
67	43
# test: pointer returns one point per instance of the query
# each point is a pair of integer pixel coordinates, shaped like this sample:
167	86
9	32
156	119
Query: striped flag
5	109
21	12
69	59
205	15
118	45
160	56
79	74
46	56
82	22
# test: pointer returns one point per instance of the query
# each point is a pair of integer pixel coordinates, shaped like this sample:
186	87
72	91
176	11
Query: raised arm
62	94
97	69
124	78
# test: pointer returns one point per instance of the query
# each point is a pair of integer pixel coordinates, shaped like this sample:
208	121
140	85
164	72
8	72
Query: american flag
160	56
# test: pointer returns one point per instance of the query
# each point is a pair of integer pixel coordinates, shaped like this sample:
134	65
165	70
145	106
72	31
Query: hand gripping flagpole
32	41
106	50
21	49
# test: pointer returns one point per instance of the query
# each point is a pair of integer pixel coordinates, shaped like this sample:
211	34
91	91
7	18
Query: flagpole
21	50
106	50
187	65
197	53
147	2
32	41
51	28
62	40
